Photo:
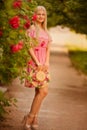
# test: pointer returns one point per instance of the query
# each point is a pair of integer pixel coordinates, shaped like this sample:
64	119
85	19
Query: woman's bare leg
38	98
40	94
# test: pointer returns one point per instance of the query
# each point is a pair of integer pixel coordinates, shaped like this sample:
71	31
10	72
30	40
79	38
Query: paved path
65	107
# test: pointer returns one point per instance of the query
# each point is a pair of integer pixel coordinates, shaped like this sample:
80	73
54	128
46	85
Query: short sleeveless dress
40	52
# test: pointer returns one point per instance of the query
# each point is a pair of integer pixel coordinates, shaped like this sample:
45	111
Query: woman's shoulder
32	27
31	31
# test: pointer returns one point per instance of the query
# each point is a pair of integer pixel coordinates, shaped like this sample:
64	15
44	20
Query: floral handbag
37	78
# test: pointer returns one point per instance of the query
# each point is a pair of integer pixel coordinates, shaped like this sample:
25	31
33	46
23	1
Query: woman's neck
39	25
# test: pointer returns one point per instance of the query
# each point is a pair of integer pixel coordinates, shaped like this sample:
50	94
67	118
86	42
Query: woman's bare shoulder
32	27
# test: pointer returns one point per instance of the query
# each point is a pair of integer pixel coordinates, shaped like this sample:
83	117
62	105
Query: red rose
17	4
34	17
14	22
14	48
20	45
27	24
30	62
25	17
17	47
1	33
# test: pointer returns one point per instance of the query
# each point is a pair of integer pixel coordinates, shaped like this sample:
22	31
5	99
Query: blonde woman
40	54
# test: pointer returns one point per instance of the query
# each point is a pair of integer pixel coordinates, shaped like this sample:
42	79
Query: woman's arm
47	55
31	51
48	52
32	34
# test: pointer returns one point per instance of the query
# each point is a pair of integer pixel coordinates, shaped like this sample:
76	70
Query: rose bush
15	22
15	17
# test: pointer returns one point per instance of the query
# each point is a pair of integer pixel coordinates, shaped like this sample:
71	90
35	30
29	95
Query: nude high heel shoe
26	123
34	124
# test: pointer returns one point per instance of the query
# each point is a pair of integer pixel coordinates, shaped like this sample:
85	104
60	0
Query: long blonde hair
44	24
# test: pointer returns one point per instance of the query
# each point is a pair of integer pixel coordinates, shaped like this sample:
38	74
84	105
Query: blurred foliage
70	13
5	102
79	60
11	33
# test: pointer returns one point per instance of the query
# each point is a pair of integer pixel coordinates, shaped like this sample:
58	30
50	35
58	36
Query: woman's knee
43	92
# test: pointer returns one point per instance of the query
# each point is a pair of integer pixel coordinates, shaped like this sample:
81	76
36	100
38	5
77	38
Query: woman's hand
39	67
42	67
45	68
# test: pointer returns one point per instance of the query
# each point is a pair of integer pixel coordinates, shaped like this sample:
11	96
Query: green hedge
79	60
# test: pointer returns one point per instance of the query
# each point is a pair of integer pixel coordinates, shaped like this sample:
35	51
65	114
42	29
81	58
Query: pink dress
39	50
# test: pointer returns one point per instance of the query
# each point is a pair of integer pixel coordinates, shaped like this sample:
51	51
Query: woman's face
41	16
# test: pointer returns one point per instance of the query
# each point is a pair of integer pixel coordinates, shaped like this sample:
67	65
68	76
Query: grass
78	58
